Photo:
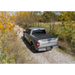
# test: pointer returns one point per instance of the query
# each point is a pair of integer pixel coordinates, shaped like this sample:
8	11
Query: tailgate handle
49	39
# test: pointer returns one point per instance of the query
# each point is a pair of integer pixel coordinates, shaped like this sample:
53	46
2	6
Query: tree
45	17
7	23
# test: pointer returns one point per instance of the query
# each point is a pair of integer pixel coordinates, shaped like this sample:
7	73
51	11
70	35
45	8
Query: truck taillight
38	44
57	41
38	29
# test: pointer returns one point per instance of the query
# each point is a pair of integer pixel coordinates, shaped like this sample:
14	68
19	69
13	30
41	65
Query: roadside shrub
23	18
66	31
7	35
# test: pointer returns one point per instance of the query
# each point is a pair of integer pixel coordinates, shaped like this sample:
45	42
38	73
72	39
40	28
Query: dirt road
53	56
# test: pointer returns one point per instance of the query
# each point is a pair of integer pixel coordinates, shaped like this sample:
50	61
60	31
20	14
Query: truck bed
43	36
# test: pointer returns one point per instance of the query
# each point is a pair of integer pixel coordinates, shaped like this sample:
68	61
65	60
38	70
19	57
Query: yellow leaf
0	41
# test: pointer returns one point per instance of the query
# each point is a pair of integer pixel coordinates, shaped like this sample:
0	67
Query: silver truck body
44	44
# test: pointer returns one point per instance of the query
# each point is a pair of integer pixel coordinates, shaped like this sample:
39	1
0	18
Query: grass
65	47
62	48
9	63
44	25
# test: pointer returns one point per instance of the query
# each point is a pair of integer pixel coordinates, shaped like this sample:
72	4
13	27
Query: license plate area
48	48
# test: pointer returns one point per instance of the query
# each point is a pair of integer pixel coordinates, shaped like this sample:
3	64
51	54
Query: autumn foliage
65	31
7	23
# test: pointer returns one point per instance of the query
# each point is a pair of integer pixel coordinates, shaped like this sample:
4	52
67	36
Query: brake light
38	29
57	41
38	44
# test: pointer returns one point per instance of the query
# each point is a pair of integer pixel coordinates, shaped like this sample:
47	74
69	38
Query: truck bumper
45	48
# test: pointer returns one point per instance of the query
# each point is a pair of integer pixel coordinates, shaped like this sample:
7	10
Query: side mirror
25	32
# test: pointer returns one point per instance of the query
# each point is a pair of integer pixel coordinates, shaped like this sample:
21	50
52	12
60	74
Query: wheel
32	48
23	34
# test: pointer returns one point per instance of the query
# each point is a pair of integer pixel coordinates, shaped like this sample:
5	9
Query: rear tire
24	36
32	48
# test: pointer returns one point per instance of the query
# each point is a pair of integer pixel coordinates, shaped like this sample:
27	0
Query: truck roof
33	28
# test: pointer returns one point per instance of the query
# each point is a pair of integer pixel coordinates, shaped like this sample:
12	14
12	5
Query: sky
42	11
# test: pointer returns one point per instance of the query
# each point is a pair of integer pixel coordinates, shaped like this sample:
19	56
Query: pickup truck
40	40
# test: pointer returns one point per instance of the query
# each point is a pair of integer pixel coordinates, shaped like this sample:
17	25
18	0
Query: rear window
39	32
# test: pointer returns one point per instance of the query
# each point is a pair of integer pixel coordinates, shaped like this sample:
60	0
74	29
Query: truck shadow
29	46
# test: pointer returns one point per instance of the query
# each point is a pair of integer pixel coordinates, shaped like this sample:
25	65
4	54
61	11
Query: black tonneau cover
43	36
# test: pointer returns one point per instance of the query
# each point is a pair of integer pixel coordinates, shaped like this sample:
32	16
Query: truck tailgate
48	42
46	39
